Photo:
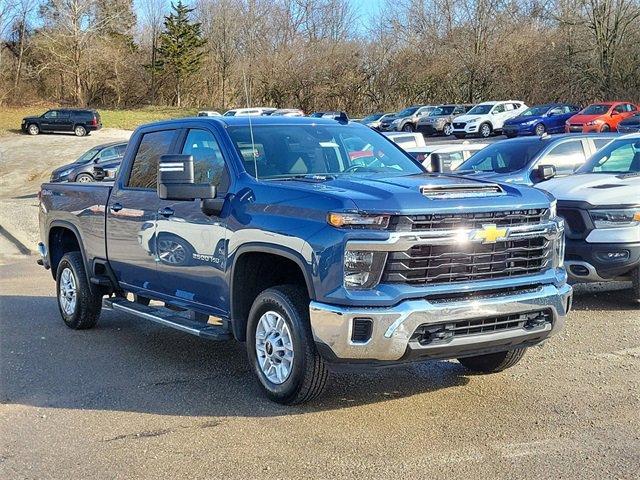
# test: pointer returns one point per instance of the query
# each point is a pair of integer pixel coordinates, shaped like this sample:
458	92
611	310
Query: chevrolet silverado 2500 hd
317	242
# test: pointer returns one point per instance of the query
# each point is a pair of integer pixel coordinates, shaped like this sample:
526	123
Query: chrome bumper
393	327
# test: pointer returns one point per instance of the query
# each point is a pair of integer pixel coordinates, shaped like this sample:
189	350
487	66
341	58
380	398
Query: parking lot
130	399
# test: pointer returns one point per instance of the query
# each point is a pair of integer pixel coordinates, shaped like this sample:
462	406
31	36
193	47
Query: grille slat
456	221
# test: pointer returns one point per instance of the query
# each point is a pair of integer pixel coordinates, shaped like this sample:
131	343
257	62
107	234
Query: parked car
487	118
601	208
406	139
531	160
288	112
252	112
331	114
209	113
451	155
630	124
80	122
311	256
405	120
82	170
541	119
373	120
440	119
600	117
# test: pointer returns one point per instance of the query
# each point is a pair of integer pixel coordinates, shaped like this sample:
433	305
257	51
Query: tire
78	302
605	128
635	285
174	250
540	129
460	136
33	129
84	178
447	130
307	373
493	362
485	130
407	127
80	131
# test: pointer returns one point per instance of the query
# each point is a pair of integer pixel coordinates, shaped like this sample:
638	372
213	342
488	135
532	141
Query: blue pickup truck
319	243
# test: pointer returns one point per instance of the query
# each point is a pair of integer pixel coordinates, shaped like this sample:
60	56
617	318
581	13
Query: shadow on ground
128	364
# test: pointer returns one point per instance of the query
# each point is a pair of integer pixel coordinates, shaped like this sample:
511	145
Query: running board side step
168	318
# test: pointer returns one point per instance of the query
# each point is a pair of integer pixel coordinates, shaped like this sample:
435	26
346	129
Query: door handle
166	211
116	207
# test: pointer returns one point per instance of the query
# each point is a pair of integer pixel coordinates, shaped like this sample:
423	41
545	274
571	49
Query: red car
600	117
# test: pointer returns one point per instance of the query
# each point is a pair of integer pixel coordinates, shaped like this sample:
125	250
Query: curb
19	245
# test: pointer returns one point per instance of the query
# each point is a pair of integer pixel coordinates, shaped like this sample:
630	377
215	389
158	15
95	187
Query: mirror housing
176	180
545	172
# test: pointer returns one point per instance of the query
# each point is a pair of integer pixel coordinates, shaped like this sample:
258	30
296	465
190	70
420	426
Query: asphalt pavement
130	399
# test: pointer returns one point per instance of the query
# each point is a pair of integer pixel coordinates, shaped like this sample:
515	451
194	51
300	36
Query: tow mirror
545	172
176	180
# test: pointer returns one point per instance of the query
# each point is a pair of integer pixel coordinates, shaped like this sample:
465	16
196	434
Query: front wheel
84	178
280	346
79	304
605	128
447	130
540	129
485	130
407	128
493	362
33	129
635	290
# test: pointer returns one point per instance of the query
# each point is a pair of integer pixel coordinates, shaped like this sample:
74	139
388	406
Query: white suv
487	118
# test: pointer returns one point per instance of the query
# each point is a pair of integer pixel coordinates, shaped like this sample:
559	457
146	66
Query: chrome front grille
438	264
458	221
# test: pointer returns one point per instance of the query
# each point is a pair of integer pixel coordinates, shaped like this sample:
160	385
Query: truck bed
81	206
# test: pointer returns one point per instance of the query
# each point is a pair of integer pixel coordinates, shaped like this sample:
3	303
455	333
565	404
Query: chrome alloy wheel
274	347
171	252
68	296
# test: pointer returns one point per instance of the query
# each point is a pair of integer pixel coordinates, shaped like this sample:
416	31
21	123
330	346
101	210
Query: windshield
285	151
441	111
480	110
373	117
407	112
620	156
504	157
596	109
535	111
87	156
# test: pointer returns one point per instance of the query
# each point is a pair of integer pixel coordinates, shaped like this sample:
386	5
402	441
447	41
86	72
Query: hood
581	118
58	170
34	117
402	195
467	118
520	120
595	188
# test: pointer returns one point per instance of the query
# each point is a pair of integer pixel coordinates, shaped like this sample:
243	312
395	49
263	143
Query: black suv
94	164
80	122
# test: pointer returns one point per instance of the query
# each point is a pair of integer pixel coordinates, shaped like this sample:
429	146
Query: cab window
566	157
144	172
208	163
498	108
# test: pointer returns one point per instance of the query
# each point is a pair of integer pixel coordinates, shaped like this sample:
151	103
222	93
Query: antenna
247	93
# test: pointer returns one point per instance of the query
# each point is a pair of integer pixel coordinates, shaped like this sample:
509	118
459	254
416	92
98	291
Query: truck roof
244	121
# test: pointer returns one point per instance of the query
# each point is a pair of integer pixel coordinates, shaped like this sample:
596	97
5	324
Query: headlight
66	172
616	218
395	122
357	220
592	123
553	209
472	121
363	269
558	253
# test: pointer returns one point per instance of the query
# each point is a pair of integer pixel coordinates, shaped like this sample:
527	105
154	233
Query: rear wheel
80	131
493	362
33	129
280	346
79	303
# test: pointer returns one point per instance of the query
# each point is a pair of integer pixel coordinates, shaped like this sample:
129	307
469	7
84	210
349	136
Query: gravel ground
129	399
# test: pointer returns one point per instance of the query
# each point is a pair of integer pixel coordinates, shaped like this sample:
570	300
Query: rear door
64	122
133	210
191	246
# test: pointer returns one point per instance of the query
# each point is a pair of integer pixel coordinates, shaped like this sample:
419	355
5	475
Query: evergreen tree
180	50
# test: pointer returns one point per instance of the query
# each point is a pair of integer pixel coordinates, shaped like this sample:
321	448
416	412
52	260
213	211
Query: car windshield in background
534	111
373	118
230	113
503	157
87	156
441	111
620	156
480	110
596	110
407	112
285	151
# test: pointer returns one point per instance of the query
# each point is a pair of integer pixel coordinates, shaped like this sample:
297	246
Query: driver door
48	122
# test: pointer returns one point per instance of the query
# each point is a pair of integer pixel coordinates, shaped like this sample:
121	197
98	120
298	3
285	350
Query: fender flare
238	324
69	226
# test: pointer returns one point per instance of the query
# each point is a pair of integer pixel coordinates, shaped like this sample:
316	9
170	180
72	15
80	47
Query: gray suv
405	120
440	119
83	169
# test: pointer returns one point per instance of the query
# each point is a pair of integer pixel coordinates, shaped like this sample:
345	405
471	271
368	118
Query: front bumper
600	262
392	338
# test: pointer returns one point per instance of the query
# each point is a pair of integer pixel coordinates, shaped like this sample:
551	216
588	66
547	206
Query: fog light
579	270
613	256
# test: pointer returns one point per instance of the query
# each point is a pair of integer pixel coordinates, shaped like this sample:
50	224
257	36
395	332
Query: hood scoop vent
444	192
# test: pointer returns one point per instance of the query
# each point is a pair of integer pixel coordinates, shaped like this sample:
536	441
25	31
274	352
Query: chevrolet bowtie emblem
489	234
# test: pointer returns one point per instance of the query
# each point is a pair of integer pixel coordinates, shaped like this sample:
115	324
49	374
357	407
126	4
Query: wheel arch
63	237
